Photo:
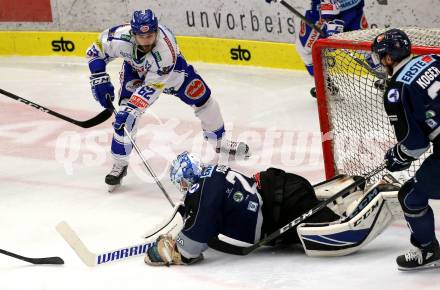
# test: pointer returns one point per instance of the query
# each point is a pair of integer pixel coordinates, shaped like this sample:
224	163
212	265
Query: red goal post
355	129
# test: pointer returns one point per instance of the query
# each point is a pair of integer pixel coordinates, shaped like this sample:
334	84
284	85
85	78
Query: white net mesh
361	129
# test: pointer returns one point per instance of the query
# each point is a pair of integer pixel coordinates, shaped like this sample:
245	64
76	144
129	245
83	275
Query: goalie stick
98	119
92	259
289	7
37	261
237	250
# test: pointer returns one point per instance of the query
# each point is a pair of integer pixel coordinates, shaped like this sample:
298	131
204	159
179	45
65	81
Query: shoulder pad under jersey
166	50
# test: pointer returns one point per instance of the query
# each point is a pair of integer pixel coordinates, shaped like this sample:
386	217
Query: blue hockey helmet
185	170
143	21
393	42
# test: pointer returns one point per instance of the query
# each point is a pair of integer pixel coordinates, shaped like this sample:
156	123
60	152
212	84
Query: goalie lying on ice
221	201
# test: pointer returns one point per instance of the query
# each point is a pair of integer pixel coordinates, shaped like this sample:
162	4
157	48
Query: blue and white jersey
412	103
222	202
348	4
350	11
159	69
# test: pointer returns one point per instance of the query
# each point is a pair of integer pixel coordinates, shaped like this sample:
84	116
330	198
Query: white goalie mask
185	170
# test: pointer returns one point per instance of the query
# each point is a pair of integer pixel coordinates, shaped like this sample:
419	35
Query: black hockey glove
397	160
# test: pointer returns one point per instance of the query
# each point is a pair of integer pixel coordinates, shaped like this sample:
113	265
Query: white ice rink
51	171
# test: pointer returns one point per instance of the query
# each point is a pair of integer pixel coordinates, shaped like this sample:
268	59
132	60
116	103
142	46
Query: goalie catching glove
164	252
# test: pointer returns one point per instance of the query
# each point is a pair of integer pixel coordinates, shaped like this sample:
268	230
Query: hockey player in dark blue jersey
221	201
412	103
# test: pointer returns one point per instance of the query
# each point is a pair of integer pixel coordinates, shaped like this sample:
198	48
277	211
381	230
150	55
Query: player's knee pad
412	202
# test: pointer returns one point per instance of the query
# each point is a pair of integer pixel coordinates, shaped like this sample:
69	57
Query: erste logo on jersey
195	89
414	68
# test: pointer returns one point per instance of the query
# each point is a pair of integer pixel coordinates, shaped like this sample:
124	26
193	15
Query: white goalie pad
327	189
363	220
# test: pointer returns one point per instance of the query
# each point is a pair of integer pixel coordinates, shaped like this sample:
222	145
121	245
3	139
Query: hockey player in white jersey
152	65
332	17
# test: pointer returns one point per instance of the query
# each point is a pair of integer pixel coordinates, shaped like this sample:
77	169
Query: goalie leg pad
368	219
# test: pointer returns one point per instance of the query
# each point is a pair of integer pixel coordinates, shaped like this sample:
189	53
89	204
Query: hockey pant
286	196
193	92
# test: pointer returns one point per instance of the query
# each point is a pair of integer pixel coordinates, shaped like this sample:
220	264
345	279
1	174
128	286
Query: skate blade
112	188
432	265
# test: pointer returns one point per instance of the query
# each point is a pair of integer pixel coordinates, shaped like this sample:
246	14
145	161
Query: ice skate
331	87
420	258
233	148
114	178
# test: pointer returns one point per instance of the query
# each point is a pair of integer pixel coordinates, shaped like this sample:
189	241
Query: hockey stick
92	259
237	250
98	119
37	261
316	28
150	170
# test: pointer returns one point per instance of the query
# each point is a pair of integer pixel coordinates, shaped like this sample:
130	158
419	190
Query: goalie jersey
222	202
412	103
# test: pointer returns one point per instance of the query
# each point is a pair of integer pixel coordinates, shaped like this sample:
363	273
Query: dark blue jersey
222	202
412	103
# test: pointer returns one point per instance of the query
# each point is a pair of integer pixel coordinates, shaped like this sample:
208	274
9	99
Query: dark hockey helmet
143	21
393	42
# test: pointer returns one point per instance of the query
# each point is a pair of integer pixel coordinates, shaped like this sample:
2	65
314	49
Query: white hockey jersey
158	67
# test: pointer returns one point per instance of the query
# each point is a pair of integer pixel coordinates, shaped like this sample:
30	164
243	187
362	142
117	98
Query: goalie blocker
216	197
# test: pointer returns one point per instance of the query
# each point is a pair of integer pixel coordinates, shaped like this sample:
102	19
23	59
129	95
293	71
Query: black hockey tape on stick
37	261
362	63
98	119
144	161
237	250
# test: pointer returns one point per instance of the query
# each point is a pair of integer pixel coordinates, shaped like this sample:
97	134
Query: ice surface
52	171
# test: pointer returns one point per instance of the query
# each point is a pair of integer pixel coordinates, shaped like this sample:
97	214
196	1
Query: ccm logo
63	45
240	53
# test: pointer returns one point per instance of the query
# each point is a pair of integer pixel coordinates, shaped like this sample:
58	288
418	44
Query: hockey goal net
355	128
